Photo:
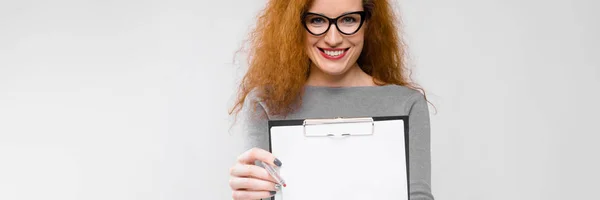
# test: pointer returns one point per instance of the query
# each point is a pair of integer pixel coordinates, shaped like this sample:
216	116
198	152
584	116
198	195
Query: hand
249	181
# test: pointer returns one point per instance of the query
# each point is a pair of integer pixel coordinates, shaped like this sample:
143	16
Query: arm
419	148
255	125
249	181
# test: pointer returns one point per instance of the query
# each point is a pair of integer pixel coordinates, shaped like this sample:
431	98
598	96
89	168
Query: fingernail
277	187
277	162
272	192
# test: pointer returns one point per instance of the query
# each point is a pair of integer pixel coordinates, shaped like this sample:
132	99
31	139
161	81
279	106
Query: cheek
311	40
309	47
357	41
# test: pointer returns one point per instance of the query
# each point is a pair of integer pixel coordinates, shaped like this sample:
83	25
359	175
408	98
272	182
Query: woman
320	59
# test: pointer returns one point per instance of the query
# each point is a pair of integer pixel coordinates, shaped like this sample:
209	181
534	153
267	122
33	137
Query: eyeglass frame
363	15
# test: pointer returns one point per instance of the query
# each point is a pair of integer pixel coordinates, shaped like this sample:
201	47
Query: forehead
334	8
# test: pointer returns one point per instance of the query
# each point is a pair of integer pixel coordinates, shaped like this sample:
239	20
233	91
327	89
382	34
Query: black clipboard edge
404	118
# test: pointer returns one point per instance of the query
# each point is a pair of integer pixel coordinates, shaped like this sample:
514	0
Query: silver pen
273	173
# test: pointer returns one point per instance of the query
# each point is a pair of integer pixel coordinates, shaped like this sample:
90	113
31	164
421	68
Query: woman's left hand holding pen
249	181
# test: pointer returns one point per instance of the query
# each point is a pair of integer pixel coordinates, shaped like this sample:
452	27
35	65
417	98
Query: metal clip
339	127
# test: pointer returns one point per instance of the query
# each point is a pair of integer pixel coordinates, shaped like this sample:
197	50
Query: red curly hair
279	66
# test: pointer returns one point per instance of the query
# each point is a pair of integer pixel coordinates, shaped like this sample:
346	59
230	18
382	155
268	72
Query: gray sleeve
255	125
419	148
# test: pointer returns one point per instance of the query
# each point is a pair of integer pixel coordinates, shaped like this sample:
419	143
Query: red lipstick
333	57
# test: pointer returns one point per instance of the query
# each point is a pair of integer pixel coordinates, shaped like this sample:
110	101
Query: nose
333	37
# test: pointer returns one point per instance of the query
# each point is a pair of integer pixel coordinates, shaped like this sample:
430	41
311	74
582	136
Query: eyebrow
338	15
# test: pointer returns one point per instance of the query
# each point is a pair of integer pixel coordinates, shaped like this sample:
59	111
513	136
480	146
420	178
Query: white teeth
333	53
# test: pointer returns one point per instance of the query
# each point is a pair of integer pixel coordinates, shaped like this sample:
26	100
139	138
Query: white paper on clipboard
342	158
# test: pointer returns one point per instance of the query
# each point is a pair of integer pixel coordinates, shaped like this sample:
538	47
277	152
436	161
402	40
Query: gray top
389	100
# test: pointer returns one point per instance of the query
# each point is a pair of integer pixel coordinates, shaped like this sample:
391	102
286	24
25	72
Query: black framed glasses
347	24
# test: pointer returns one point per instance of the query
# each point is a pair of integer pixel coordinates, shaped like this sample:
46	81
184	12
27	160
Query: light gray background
128	99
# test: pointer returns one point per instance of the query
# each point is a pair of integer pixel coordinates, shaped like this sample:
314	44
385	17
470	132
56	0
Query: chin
333	69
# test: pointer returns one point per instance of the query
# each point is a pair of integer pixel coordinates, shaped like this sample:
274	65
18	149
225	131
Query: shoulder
254	103
405	96
402	92
253	96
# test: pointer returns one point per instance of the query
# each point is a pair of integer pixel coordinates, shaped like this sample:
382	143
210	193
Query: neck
354	77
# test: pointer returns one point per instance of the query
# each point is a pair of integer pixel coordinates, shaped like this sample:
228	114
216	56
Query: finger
241	183
249	195
254	154
251	171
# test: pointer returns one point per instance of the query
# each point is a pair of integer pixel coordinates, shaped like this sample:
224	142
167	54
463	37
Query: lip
321	50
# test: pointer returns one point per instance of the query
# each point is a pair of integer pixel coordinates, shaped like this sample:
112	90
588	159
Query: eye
349	20
317	20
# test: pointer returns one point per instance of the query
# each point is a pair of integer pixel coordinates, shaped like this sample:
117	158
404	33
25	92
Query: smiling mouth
333	54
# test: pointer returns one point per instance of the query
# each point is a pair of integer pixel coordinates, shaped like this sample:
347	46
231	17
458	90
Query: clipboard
342	158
